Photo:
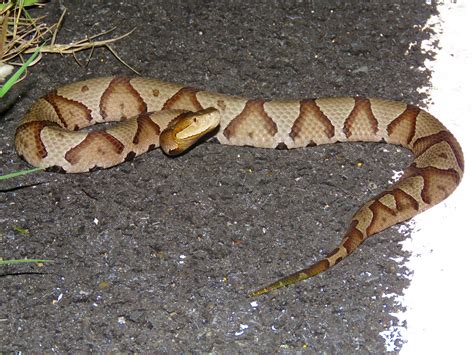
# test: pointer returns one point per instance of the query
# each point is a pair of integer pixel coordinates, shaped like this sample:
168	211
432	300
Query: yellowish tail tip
285	281
298	276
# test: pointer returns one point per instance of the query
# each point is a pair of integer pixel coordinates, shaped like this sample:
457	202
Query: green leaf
26	3
18	173
29	2
23	261
21	230
14	78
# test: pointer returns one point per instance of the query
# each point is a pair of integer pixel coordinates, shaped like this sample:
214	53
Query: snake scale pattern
51	136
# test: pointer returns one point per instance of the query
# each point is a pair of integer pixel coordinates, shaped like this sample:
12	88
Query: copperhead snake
154	113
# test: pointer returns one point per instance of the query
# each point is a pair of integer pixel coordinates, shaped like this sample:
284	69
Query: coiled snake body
155	113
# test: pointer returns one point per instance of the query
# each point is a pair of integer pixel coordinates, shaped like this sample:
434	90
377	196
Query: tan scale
388	201
154	92
438	155
311	126
413	187
426	124
289	112
147	108
337	109
385	112
87	93
57	142
41	108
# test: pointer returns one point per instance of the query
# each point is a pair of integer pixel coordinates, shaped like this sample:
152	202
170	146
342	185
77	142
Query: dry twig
22	34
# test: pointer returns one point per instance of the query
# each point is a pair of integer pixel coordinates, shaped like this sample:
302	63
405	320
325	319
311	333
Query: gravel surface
159	253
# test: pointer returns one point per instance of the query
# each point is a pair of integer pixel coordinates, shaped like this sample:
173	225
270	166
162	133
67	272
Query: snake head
188	128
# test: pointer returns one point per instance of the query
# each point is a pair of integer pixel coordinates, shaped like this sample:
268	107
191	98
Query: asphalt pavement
159	253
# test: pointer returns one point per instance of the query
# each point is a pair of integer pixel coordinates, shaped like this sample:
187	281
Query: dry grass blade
22	34
81	45
3	35
87	43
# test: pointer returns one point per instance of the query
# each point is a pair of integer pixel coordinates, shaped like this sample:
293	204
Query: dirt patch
159	253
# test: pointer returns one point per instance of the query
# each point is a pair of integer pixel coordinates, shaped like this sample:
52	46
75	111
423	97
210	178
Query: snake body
50	135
